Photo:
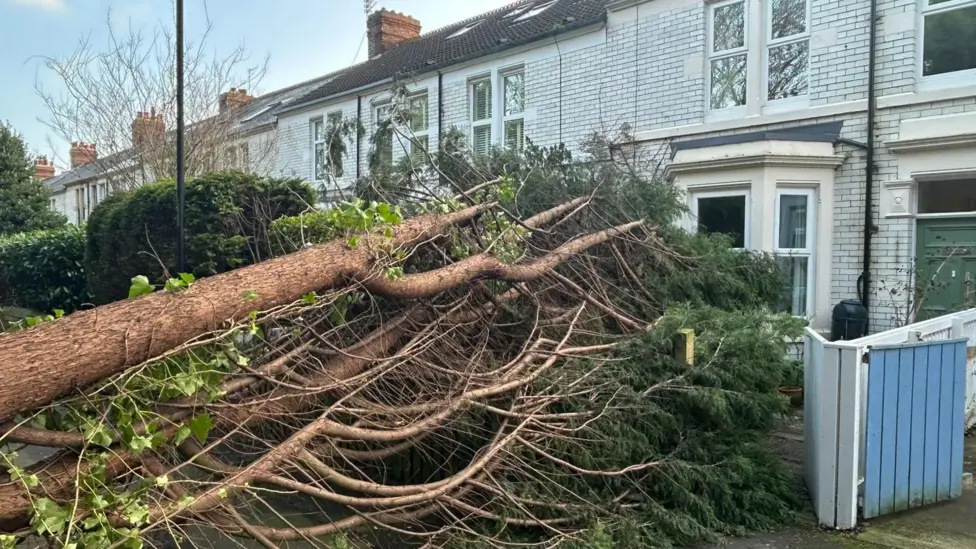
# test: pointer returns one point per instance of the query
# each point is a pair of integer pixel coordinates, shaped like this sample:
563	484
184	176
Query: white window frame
377	119
315	142
425	131
490	121
757	43
786	103
809	251
939	81
511	117
738	110
696	195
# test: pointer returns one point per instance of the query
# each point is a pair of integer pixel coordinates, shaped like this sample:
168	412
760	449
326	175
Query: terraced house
837	134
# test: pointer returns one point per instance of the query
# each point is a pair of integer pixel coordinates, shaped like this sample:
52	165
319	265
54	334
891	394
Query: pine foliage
24	200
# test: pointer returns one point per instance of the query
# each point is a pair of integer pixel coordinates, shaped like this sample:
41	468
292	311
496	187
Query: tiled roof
493	31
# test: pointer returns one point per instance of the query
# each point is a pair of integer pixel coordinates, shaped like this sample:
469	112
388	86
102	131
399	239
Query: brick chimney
43	168
388	29
234	99
148	128
82	153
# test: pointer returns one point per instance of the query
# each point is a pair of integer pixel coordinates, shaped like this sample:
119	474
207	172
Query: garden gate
850	455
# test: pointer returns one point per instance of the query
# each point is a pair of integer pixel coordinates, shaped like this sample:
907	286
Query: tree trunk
48	362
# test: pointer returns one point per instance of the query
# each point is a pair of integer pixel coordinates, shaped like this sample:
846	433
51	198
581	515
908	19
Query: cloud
49	5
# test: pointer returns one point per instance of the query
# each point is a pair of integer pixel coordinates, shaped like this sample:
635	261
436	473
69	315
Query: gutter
864	280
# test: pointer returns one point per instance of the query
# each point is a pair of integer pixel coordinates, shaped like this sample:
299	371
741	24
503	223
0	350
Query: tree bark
53	360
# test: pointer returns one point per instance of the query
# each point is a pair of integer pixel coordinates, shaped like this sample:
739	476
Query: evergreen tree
23	199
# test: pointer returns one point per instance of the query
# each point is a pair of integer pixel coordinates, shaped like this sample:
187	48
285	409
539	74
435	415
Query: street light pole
180	168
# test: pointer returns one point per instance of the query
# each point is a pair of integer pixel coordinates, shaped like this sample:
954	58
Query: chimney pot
43	169
233	100
388	29
148	128
82	153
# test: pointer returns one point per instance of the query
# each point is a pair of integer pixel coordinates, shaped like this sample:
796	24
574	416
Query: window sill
926	96
711	125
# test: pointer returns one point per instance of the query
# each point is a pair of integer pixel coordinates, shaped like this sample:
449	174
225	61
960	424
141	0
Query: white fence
836	409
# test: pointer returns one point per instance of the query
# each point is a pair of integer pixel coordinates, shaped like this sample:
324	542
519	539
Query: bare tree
122	99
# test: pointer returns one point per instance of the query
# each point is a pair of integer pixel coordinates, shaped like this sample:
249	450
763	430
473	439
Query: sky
302	39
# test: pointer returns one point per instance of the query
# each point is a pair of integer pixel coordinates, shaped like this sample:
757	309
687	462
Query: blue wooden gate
915	425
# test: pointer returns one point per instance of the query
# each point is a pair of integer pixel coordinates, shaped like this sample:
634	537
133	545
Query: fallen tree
471	377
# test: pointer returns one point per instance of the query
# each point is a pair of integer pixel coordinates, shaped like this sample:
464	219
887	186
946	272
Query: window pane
481	142
794	271
321	162
728	81
947	196
729	27
514	134
950	41
418	114
792	221
418	149
318	130
724	214
481	101
789	18
788	70
514	94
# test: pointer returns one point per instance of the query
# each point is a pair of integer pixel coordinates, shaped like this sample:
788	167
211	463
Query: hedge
228	216
44	270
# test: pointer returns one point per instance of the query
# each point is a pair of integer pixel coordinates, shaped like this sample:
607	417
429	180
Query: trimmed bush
228	216
44	270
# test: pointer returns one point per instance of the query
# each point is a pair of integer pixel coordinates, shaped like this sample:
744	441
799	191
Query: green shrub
227	215
44	270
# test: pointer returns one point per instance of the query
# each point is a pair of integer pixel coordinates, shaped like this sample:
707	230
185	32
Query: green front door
946	267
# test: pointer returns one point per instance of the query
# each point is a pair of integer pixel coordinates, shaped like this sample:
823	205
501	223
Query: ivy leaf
353	242
137	513
49	517
139	444
187	279
162	481
7	541
134	542
200	427
181	434
310	298
58	313
173	285
140	286
97	434
251	295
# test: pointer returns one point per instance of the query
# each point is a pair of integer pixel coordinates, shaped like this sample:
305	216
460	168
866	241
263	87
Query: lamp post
180	168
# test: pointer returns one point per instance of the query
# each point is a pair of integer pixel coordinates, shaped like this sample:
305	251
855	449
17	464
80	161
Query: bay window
794	235
758	56
723	212
481	120
948	45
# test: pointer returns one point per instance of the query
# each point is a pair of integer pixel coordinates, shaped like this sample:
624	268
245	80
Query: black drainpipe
359	121
864	281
